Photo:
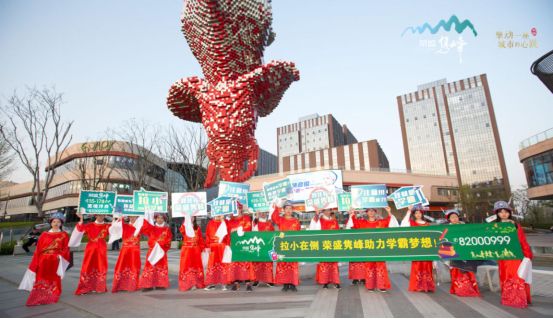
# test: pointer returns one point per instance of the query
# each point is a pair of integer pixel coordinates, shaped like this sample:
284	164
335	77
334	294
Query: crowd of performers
52	256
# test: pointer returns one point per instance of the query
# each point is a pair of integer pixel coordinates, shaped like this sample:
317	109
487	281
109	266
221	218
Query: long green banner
465	242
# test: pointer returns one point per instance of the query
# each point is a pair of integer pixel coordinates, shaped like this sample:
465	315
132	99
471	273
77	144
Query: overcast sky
116	60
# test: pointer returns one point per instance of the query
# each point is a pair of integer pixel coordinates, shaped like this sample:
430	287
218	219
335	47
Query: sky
115	60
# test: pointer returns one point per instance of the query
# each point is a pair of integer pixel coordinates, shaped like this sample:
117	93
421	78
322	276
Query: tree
142	139
91	170
6	158
184	150
38	136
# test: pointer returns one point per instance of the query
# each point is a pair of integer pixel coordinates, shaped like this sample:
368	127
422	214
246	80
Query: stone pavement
310	301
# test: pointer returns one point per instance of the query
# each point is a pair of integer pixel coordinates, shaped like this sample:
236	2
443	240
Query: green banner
146	201
344	202
257	202
96	202
124	206
463	242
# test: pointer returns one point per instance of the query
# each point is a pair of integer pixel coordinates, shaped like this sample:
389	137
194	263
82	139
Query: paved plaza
310	301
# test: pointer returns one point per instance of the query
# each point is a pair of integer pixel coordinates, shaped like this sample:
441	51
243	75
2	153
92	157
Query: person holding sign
127	268
156	271
356	270
514	275
287	273
43	277
327	272
263	270
240	271
95	261
421	278
191	273
463	282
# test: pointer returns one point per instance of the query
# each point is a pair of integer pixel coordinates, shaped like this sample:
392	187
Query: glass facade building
450	129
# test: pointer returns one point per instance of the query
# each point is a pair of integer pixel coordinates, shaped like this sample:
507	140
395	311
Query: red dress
156	275
127	268
421	278
328	272
95	261
286	272
191	273
376	271
264	270
240	271
514	291
463	283
217	271
357	270
47	286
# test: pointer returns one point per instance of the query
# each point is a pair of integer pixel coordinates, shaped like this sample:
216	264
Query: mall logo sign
444	45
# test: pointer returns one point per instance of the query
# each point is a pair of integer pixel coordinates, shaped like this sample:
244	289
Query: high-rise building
312	133
450	129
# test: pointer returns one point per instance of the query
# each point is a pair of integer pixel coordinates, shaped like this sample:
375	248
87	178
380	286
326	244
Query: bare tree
143	140
94	171
35	132
6	158
184	150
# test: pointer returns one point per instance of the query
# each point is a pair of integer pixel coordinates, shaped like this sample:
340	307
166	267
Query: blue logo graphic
453	20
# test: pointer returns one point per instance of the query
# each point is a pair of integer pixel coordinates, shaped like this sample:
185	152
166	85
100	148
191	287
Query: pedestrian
327	272
127	268
191	272
156	269
463	280
32	238
263	270
95	262
217	239
240	271
376	272
287	273
421	278
515	291
43	277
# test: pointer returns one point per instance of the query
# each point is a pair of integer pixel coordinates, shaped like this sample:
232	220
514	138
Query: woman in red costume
463	281
240	271
127	268
421	278
42	277
156	272
95	261
515	291
263	270
356	270
327	272
287	273
191	273
376	275
217	238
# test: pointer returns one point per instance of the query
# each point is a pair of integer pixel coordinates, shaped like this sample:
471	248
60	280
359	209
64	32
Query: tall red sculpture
228	37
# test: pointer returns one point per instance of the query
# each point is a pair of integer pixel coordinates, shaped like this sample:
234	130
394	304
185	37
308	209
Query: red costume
191	273
264	270
463	283
127	268
217	272
514	291
286	272
421	278
327	272
47	286
240	271
95	261
357	270
156	275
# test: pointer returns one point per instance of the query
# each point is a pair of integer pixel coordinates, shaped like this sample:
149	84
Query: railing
540	137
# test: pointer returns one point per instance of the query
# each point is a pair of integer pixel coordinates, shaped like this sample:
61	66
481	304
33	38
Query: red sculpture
228	37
